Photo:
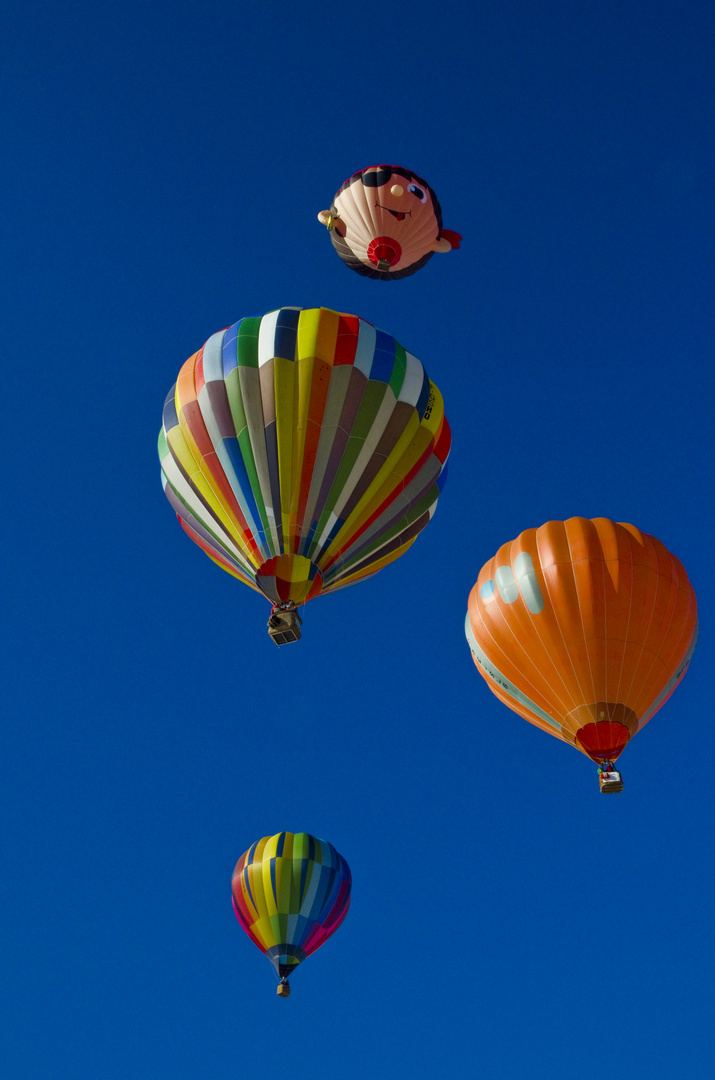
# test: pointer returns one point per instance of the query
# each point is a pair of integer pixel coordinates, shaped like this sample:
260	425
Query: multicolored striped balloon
585	628
303	451
291	892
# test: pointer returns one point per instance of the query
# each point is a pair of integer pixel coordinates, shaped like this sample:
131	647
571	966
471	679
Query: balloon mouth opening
289	579
603	741
385	250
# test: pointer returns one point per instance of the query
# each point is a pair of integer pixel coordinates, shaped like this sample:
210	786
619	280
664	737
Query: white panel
414	378
267	338
528	582
213	357
506	585
365	352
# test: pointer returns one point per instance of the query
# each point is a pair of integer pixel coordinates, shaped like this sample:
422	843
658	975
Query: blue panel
307	538
303	875
303	926
286	333
487	590
247	884
330	855
169	417
384	359
281	844
229	353
320	892
333	533
233	451
273	879
332	886
424	396
442	478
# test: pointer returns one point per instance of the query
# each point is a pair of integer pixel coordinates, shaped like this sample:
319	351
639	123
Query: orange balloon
584	628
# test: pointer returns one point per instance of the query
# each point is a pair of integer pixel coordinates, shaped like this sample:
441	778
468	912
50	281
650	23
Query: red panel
199	378
347	339
444	442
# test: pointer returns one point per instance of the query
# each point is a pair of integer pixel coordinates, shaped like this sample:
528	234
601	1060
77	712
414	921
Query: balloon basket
610	783
284	626
283	988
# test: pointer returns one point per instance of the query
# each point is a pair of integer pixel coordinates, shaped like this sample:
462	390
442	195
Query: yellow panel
318	333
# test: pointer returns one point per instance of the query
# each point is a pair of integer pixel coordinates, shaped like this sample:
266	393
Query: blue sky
163	168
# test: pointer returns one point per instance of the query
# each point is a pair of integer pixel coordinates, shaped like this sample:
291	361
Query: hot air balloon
291	892
584	628
385	222
303	451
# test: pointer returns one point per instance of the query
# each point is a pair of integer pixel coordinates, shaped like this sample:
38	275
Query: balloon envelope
303	451
386	222
291	892
584	628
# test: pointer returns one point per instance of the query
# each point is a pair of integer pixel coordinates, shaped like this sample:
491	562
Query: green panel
285	887
247	342
372	399
294	900
275	921
238	414
308	878
232	383
244	442
281	922
301	845
399	369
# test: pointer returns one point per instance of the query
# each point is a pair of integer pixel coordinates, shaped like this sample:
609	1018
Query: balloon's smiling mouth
399	214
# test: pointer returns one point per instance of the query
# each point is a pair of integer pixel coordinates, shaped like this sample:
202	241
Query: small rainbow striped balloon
291	892
303	451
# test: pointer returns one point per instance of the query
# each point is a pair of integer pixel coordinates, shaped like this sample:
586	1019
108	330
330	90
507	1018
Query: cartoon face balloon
386	222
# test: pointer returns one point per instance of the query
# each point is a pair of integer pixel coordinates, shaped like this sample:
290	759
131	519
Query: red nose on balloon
383	249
